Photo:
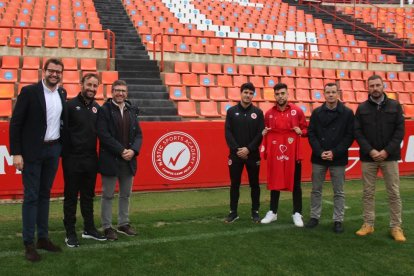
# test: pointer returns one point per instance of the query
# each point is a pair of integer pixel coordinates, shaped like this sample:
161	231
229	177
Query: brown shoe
47	245
366	229
127	230
110	234
397	234
31	253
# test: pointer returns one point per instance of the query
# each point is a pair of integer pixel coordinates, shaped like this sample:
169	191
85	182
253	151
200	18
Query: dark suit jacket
28	123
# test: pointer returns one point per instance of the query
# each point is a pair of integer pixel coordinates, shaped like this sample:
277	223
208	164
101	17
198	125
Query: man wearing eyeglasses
285	124
120	140
35	143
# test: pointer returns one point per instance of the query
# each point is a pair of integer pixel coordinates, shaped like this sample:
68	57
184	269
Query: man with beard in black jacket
80	161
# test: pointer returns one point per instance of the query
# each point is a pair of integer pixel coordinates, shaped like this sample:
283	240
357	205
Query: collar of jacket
339	107
384	102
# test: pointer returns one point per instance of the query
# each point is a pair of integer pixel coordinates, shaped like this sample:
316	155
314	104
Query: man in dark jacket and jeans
330	135
80	161
379	130
120	139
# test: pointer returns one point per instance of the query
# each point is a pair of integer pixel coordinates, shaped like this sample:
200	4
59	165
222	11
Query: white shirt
53	112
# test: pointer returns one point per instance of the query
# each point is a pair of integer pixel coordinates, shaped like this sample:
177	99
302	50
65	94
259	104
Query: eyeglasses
51	71
120	91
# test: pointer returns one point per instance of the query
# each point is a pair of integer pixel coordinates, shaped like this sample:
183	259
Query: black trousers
236	166
296	194
80	179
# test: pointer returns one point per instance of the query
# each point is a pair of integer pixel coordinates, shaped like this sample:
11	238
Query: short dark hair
247	85
330	84
375	77
119	82
54	61
279	86
88	76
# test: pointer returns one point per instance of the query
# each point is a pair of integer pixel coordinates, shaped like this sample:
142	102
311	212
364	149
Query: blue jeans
38	177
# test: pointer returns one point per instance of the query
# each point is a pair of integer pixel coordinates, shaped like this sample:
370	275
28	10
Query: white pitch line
232	232
331	203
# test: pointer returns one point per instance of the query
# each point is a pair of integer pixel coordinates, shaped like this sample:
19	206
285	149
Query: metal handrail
110	50
307	53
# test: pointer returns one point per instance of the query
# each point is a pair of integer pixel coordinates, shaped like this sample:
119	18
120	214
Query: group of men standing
44	126
377	126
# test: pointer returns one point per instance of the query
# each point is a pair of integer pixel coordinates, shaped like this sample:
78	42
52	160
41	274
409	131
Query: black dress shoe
47	245
338	228
31	253
312	223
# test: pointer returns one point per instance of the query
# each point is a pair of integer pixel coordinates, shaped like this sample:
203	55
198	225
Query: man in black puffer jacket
379	130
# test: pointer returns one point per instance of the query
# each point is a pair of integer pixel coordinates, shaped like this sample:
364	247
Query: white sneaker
297	219
270	216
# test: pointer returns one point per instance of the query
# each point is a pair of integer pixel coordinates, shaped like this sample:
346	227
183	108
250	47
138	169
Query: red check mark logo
173	161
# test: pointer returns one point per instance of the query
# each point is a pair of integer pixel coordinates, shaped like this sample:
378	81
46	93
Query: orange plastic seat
34	41
233	93
10	62
108	77
257	81
31	63
88	64
217	94
305	108
329	73
214	68
72	89
302	95
209	109
178	93
355	75
302	83
198	68
207	80
317	84
5	108
238	80
358	85
190	79
408	110
289	71
403	98
316	73
403	76
361	97
345	85
6	90
172	79
198	93
29	76
265	106
397	86
187	109
268	94
317	95
225	80
181	67
70	64
260	70
8	75
290	82
348	96
245	69
275	71
302	72
70	77
67	42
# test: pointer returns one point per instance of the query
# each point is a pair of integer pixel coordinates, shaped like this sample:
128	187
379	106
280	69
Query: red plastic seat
5	108
72	89
233	93
409	110
225	80
190	79
198	93
187	109
88	64
29	76
172	79
198	68
6	90
108	77
178	93
348	96
207	80
70	63
8	75
10	62
214	68
217	93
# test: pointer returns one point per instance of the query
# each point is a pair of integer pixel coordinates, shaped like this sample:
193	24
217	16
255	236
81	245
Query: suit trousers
38	177
392	184
125	179
338	179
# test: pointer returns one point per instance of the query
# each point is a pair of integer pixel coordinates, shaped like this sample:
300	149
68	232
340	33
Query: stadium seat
187	109
190	79
348	96
5	108
72	89
8	75
207	80
302	95
88	64
230	69
209	109
29	76
108	77
198	68
405	98
214	68
6	90
217	94
70	63
172	79
225	80
265	106
238	80
198	93
178	93
10	62
245	69
31	63
409	110
224	106
71	77
233	93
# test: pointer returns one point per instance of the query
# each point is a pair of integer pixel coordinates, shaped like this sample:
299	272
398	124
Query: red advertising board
180	155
